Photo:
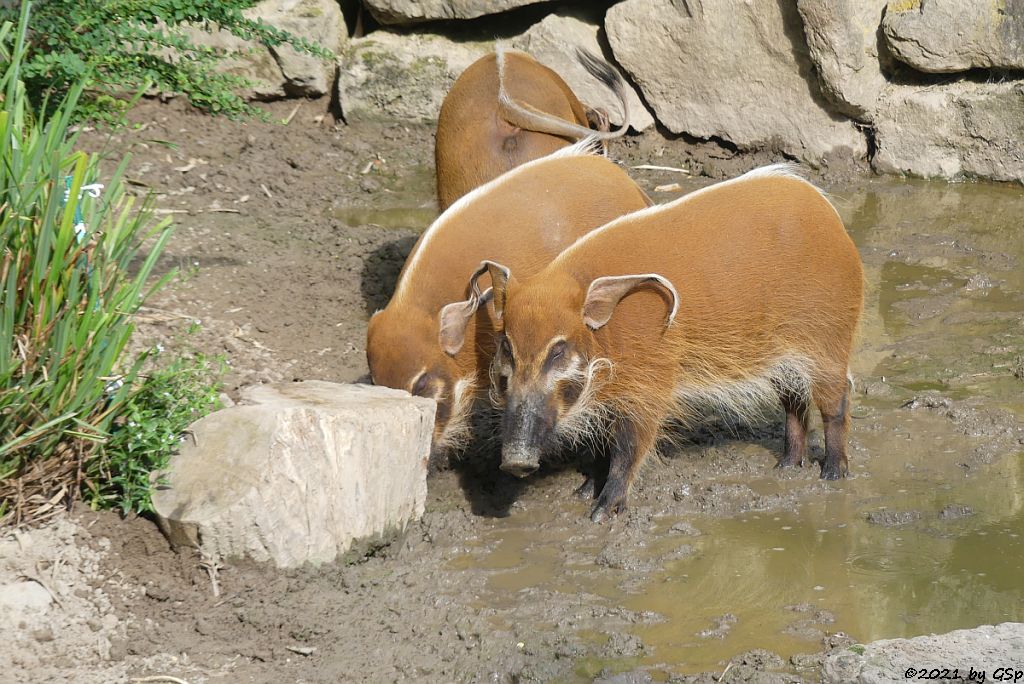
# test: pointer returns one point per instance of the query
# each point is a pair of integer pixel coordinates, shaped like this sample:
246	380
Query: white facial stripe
415	379
574	371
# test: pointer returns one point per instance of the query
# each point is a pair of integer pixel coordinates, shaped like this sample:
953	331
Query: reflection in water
944	310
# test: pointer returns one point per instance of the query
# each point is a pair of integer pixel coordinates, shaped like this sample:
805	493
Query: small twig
187	167
727	668
265	191
671	187
652	167
212	567
292	115
160	678
224	211
171	211
301	650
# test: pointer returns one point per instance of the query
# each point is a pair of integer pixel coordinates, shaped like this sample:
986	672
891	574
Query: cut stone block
298	473
947	36
553	42
738	70
986	647
386	76
959	130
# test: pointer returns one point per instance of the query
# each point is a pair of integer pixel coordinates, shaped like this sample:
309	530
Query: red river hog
523	218
734	298
506	109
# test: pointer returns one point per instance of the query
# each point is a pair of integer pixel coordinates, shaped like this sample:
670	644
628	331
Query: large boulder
299	473
989	648
731	69
952	131
406	77
843	41
281	71
553	42
944	36
415	11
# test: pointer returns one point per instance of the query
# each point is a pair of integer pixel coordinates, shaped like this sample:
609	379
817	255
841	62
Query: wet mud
721	563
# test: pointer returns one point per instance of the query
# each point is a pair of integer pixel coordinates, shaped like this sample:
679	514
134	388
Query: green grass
73	272
149	427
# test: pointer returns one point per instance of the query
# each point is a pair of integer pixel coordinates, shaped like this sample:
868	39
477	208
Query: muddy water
927	535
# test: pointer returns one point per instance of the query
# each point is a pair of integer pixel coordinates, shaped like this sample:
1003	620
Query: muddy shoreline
290	236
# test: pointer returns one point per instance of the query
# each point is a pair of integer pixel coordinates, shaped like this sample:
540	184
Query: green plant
149	427
119	47
72	273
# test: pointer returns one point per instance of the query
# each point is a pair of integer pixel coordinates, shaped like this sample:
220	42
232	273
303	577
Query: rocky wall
931	89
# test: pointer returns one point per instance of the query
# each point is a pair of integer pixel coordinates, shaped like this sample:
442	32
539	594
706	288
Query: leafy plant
72	273
149	428
119	47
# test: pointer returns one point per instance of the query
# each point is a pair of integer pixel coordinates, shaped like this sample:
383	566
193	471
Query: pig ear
500	278
606	293
454	319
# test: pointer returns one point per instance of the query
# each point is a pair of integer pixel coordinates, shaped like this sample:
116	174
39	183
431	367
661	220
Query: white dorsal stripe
778	170
587	147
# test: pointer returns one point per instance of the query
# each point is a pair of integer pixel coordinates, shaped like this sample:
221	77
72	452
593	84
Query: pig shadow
492	492
380	271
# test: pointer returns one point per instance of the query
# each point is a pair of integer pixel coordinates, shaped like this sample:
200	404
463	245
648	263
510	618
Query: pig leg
796	430
634	437
596	475
834	403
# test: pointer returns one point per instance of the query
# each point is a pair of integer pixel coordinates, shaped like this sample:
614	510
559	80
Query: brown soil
288	238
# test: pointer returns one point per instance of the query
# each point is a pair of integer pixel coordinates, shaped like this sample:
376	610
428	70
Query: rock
955	512
987	647
387	76
945	36
954	131
893	518
709	68
553	42
22	597
318	21
282	71
843	44
415	11
299	472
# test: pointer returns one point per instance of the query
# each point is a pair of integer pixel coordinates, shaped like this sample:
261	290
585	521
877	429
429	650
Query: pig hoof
832	474
587	490
606	511
788	464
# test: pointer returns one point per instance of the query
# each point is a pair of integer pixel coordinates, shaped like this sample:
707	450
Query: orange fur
480	136
526	217
769	291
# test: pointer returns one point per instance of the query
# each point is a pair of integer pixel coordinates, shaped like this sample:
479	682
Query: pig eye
506	349
557	353
420	387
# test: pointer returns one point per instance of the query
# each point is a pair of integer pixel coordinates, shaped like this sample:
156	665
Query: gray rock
953	131
318	21
283	71
735	70
22	597
987	647
386	76
415	11
553	42
945	36
299	472
842	37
